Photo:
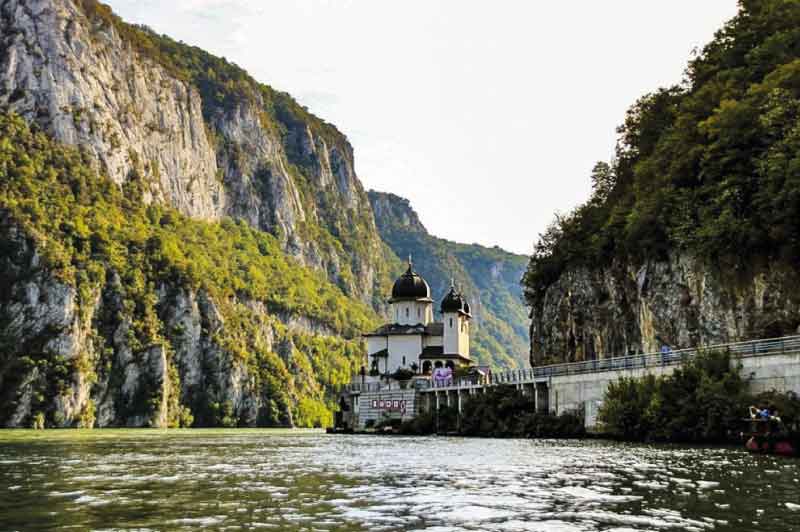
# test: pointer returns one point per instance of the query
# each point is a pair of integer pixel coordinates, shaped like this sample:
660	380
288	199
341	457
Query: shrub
37	422
402	374
701	401
87	416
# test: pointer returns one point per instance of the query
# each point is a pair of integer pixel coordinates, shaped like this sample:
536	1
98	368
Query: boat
771	436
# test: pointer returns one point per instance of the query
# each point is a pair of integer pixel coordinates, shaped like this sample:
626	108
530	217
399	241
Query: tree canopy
709	167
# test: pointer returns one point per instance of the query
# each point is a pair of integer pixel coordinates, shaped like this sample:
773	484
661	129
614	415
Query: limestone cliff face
127	99
83	366
680	302
87	80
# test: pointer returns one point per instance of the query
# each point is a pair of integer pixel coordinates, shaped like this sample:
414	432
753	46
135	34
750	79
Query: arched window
451	323
419	312
404	361
407	312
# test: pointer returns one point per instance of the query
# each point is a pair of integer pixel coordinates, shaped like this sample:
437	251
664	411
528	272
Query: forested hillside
181	244
691	233
116	312
489	277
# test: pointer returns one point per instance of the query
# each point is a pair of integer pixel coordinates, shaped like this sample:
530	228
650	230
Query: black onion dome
411	286
454	302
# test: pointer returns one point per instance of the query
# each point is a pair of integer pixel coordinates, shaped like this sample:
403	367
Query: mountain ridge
182	245
489	277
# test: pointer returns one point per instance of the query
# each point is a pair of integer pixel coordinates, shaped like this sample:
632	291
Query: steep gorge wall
104	355
681	302
105	349
690	234
125	96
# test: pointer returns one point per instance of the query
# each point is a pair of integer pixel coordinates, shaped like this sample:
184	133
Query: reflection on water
273	480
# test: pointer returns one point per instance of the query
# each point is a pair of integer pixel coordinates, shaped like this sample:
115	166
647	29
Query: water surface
291	481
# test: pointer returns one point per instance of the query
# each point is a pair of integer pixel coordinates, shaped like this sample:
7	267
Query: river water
285	480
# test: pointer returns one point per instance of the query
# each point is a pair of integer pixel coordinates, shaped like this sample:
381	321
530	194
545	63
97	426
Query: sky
487	115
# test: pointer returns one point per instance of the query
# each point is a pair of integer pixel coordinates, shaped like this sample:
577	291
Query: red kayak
769	437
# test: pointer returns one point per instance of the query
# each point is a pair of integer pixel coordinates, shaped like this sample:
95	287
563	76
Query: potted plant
402	375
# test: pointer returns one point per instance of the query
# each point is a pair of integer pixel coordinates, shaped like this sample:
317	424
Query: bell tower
456	317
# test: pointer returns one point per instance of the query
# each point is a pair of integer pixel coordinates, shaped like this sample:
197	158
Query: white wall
400	346
570	392
412	312
456	334
376	343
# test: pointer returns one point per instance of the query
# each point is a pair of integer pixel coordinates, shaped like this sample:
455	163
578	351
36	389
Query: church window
419	313
404	361
406	312
451	323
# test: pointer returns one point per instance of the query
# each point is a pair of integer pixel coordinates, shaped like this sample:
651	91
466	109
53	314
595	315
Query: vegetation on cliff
90	234
710	167
489	277
704	400
344	237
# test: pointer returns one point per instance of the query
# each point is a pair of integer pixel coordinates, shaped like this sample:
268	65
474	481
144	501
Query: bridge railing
750	348
770	346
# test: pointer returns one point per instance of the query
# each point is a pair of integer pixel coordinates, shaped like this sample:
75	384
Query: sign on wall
389	404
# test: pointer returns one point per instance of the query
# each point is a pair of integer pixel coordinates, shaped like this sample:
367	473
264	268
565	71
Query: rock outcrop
190	131
681	302
209	147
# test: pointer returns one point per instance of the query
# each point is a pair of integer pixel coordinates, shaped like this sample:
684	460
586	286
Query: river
287	480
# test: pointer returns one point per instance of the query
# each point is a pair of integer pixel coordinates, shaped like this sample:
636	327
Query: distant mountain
489	277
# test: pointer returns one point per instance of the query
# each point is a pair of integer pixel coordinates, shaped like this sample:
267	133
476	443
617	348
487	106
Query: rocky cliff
204	136
690	235
129	297
679	302
115	312
489	277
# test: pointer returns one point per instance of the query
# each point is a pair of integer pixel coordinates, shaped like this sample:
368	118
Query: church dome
454	302
411	285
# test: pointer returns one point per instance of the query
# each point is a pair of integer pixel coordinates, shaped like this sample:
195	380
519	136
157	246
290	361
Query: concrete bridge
769	364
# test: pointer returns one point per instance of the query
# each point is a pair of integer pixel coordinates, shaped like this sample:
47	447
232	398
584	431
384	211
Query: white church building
413	340
411	353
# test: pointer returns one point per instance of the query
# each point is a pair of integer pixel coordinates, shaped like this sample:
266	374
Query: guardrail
750	348
770	346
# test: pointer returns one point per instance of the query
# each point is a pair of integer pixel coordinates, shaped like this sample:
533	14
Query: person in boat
759	413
